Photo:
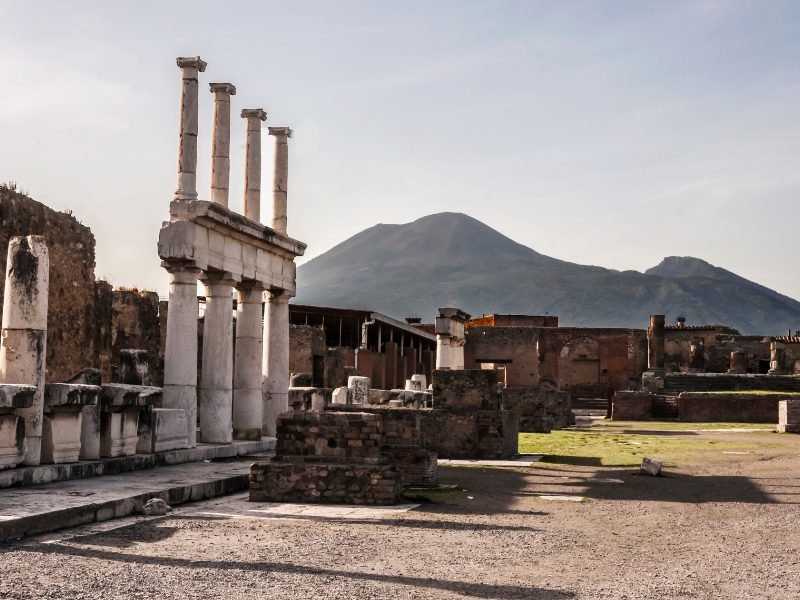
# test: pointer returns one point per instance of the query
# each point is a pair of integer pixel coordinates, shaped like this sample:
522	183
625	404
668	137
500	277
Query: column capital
191	62
211	278
249	286
254	113
222	88
280	131
278	296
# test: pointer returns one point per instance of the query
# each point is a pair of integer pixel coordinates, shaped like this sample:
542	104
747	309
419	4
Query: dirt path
721	527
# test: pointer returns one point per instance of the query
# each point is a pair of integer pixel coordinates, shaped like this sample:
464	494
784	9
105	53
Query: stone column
180	347
457	354
280	177
221	145
252	163
215	405
276	359
24	331
655	342
187	149
247	376
442	352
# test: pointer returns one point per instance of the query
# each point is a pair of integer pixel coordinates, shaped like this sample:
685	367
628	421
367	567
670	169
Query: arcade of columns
243	382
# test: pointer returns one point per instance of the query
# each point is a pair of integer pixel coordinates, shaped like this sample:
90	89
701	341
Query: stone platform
24	476
49	507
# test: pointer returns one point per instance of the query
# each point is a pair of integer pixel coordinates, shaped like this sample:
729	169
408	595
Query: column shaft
187	148
276	360
221	145
180	348
216	376
24	331
443	358
247	374
252	165
280	177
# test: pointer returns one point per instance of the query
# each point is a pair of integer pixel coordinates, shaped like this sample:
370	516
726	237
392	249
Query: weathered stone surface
540	409
789	415
465	390
156	507
341	395
12	440
632	406
169	428
651	466
736	408
134	367
119	432
359	388
16	395
61	434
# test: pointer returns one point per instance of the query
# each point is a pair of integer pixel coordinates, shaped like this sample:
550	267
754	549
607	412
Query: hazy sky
610	133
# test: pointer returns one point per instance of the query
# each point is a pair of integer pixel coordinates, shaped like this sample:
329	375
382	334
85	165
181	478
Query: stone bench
12	426
63	417
121	407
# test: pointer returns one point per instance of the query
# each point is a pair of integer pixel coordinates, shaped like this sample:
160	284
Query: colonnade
243	381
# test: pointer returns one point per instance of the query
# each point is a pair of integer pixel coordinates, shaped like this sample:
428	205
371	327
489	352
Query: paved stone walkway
52	506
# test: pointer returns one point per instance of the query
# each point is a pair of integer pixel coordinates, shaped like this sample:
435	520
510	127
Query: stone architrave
221	144
280	177
359	388
252	164
215	402
24	331
187	149
276	359
180	348
247	374
655	342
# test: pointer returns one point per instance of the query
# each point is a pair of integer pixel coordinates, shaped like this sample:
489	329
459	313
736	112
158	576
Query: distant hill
451	259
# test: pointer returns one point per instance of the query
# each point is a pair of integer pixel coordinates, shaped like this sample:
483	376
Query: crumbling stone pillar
180	351
187	149
450	339
697	356
276	359
24	331
442	351
221	145
280	177
777	358
252	164
247	373
655	342
738	362
216	393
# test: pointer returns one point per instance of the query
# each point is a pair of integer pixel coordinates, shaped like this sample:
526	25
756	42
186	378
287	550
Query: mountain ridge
453	259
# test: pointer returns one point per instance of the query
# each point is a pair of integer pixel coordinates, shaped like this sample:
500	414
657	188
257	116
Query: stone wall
717	348
72	312
540	409
136	326
632	406
307	347
733	408
465	390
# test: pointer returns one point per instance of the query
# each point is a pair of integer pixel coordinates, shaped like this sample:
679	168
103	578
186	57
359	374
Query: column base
185	397
248	435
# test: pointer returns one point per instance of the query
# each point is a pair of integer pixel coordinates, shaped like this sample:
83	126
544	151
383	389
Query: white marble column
252	163
215	403
187	149
24	331
180	348
276	359
442	352
280	177
221	145
457	354
247	374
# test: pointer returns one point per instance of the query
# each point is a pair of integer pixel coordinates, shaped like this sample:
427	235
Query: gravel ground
726	528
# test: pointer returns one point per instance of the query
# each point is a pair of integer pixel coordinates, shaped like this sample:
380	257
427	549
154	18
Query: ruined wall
72	313
540	409
513	349
717	349
307	347
136	326
733	408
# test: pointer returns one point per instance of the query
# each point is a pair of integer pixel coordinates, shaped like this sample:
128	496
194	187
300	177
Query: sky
609	133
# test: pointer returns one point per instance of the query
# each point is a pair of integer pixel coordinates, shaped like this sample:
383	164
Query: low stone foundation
632	406
325	482
540	409
736	408
789	415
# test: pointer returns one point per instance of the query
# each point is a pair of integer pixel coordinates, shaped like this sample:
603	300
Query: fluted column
187	149
247	373
180	348
215	406
24	331
276	359
280	177
221	145
252	164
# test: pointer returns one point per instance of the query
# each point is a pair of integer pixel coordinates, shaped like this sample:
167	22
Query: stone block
12	440
61	434
789	416
359	387
90	432
465	390
170	429
119	432
632	406
341	395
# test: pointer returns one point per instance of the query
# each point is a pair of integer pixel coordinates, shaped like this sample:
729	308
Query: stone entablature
210	237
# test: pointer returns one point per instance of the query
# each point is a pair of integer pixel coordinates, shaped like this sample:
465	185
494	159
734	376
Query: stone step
49	507
24	476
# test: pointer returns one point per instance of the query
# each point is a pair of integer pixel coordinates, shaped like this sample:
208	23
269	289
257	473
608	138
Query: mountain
451	259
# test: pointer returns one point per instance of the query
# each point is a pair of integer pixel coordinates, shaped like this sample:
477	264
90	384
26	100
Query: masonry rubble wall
632	406
136	325
540	409
734	408
72	310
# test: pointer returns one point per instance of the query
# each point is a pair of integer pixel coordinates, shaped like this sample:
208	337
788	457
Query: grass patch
606	447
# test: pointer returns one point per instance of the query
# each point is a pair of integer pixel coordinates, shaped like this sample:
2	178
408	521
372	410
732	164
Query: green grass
622	445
